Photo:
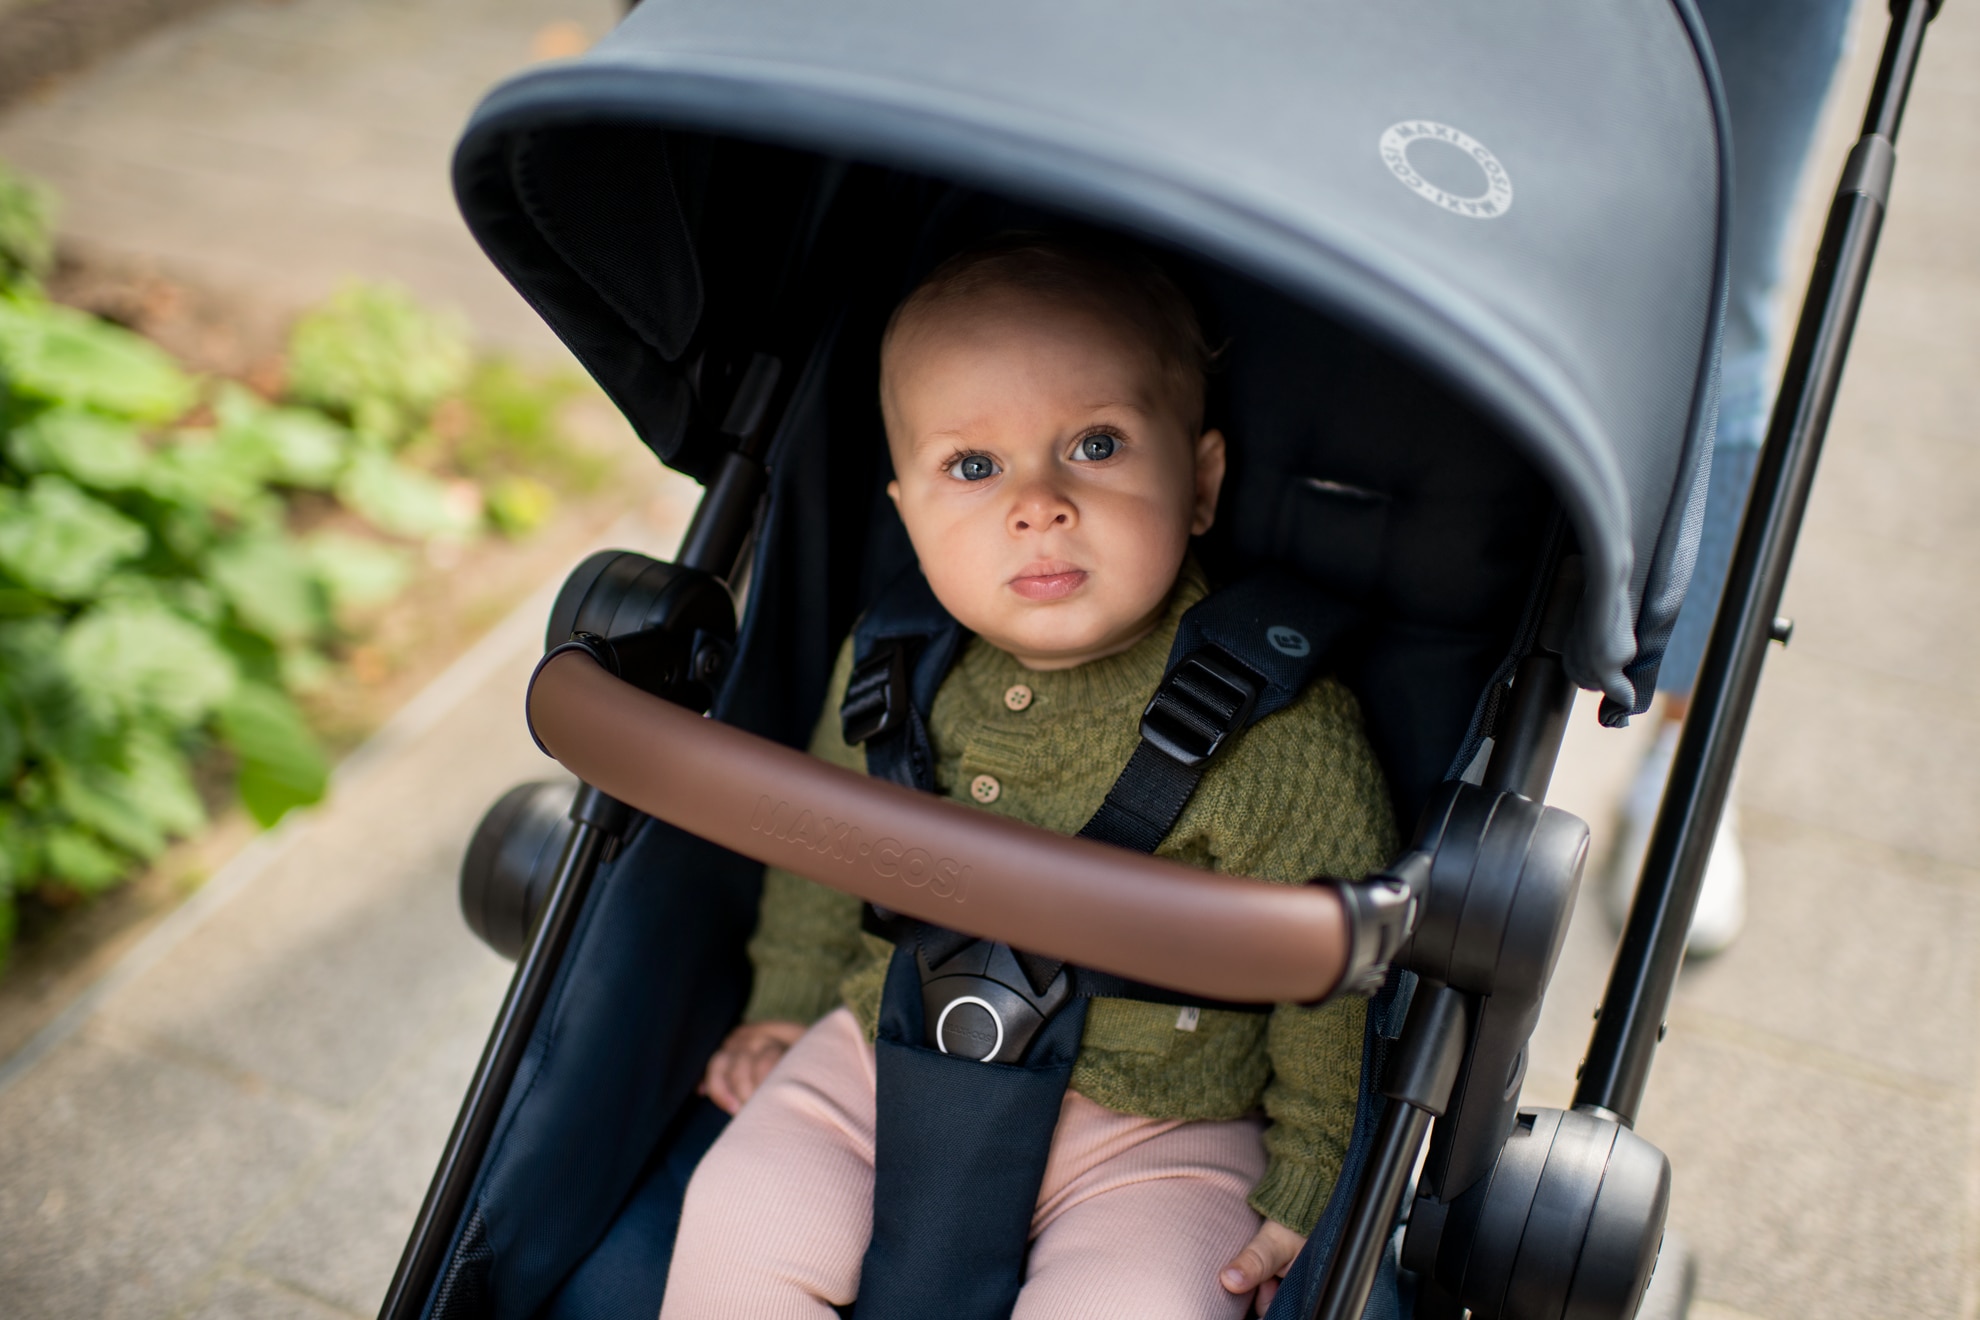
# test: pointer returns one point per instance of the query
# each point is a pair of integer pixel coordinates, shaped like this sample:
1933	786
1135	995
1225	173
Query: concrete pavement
274	148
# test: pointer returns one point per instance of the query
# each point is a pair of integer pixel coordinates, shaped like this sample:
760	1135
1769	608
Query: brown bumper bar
1087	903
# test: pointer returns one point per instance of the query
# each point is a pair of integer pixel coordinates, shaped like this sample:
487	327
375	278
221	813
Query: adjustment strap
1205	699
902	649
877	700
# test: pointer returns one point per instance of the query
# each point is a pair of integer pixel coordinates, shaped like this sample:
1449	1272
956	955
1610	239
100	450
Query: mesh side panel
464	1293
603	197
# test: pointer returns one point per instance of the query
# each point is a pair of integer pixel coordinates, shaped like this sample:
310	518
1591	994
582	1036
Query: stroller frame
1630	1021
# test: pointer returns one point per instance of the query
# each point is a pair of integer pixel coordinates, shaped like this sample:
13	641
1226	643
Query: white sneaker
1721	911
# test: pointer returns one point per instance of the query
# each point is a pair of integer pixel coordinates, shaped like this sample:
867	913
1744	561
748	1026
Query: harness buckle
1205	699
877	694
979	1004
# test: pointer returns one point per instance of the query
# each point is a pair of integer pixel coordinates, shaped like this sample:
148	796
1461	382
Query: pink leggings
1135	1218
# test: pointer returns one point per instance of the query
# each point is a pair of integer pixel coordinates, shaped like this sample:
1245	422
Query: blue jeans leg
1725	502
1777	59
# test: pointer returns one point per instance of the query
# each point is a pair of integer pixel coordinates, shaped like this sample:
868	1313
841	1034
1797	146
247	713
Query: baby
1044	413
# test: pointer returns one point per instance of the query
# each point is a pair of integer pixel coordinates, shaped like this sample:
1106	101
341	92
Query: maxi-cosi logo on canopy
1494	200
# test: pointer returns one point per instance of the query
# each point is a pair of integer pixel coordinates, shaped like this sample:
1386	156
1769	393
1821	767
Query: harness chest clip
979	1003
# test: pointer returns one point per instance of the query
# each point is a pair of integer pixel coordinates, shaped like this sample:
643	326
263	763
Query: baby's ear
1209	481
894	492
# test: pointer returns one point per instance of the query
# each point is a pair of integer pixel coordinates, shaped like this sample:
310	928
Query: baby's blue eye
1097	447
973	467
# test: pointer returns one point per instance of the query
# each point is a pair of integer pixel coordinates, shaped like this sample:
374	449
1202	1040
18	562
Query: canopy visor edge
1674	558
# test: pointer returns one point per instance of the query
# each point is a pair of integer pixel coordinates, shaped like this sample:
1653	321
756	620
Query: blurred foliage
158	605
377	360
27	230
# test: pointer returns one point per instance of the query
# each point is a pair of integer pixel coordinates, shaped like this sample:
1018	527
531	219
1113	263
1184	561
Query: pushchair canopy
1523	202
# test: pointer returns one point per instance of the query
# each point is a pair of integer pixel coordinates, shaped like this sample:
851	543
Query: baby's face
1046	474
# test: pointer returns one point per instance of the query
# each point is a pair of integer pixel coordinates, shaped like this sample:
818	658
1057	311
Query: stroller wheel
510	861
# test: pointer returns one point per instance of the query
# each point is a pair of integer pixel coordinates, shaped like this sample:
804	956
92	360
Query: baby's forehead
966	318
988	296
1092	309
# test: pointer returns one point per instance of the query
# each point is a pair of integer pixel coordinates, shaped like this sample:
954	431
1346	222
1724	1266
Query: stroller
1469	267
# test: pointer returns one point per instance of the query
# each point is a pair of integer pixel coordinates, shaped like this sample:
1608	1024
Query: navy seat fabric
614	1060
626	1274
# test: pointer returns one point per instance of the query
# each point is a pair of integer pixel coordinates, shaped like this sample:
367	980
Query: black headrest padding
1352	469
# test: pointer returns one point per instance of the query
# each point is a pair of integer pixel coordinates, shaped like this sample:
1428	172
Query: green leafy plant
158	605
147	597
377	359
27	229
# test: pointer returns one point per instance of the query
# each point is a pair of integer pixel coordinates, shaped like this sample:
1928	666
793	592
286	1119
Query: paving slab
364	1197
1842	1203
123	1172
239	1297
1850	749
1893	986
277	147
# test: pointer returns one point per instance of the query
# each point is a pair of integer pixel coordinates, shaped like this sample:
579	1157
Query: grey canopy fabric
1524	198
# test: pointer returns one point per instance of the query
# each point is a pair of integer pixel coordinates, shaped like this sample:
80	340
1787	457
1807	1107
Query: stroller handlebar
1098	906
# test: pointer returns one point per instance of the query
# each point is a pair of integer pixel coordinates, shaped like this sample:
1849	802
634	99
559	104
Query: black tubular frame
1632	1017
721	527
600	821
1423	1070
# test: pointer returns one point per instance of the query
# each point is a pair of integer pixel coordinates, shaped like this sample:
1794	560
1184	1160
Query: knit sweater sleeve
1333	818
807	936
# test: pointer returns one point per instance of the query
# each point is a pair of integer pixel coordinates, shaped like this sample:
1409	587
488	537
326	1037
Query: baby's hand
745	1059
1262	1263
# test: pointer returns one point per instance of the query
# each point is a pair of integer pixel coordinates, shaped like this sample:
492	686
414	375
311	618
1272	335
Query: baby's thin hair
1069	270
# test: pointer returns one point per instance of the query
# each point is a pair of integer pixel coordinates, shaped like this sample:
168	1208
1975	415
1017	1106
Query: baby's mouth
1051	580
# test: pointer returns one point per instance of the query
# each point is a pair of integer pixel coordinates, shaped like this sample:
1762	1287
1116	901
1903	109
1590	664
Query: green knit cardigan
1297	795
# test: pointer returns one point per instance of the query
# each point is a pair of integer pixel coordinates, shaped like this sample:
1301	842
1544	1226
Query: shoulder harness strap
1241	653
903	647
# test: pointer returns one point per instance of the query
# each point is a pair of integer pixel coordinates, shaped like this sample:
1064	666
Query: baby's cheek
962	571
1146	548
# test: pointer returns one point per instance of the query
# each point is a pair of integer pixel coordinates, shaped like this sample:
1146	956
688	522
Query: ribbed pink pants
1135	1218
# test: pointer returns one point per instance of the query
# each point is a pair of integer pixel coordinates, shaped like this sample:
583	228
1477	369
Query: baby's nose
1039	507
